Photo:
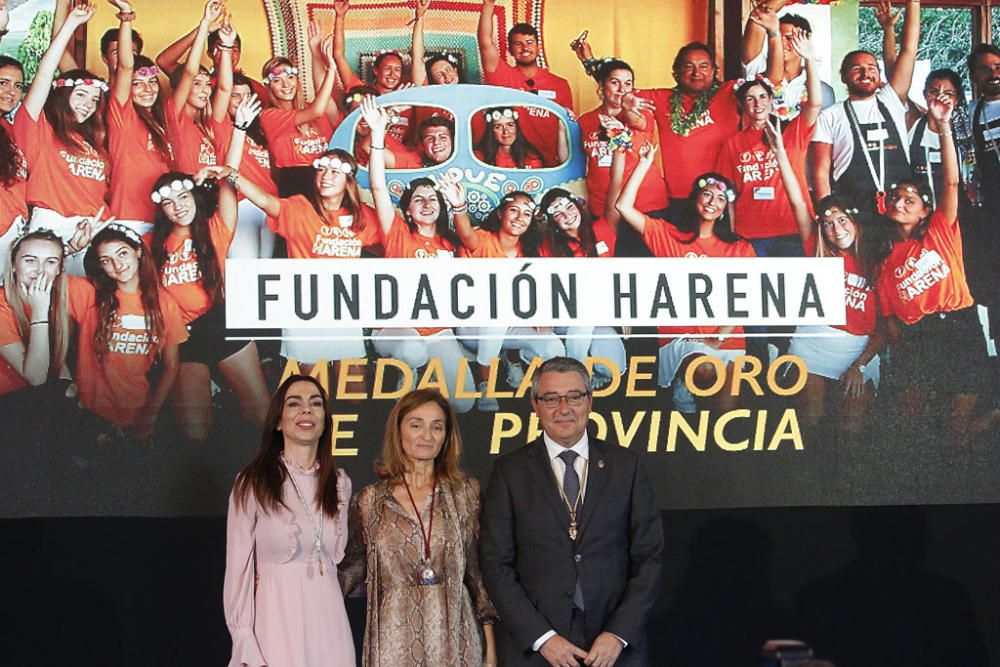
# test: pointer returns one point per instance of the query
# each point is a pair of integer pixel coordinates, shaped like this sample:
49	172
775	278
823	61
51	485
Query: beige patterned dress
409	623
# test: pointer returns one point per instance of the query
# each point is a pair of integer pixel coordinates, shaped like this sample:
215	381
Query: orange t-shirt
665	240
13	201
255	165
309	236
688	156
605	237
291	145
116	388
652	195
135	163
180	276
402	243
69	181
925	276
859	294
489	247
193	148
762	209
505	161
405	158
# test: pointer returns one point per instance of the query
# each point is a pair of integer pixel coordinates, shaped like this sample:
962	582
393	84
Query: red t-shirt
605	237
665	240
405	130
859	293
310	236
505	161
762	209
405	158
652	195
687	157
291	145
925	276
13	201
193	147
255	165
402	243
135	163
116	388
69	181
489	247
180	276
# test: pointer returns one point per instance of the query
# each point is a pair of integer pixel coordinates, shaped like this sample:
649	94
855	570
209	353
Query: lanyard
426	536
317	525
878	178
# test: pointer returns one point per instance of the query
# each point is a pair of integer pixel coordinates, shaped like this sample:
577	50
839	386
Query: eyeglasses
573	399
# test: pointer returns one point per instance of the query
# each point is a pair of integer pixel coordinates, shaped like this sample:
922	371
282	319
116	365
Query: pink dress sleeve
239	586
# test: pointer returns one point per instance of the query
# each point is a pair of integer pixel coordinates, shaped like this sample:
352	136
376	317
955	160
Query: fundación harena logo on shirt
919	274
129	335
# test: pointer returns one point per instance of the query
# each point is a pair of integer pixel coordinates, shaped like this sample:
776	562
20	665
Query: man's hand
885	15
605	651
560	652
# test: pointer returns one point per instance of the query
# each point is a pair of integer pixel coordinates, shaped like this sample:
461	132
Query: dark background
909	586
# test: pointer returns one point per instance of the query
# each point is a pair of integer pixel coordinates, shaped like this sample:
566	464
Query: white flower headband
335	163
175	187
703	183
828	212
559	205
73	83
450	57
128	232
913	191
510	199
492	116
281	69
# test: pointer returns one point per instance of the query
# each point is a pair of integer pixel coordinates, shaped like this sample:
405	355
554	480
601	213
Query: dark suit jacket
530	565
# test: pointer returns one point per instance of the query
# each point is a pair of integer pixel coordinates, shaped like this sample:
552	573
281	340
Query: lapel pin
600	463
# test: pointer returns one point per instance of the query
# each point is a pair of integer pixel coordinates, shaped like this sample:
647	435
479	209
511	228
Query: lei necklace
786	109
682	123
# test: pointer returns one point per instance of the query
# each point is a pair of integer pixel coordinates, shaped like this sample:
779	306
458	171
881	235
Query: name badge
930	260
345	221
602	248
133	322
992	134
934	156
881	134
763	193
402	121
445	253
547	94
604	161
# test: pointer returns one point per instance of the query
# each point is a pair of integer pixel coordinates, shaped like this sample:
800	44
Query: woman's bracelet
126	17
460	209
225	47
233	177
39	322
378	148
244	127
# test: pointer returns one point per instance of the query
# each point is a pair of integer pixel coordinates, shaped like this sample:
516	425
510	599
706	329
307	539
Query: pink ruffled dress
281	611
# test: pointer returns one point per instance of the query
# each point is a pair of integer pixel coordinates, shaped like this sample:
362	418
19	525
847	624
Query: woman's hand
647	153
213	12
210	172
581	47
85	230
940	108
122	6
376	116
774	138
326	49
227	33
632	103
452	190
81	13
804	46
38	295
421	8
340	7
854	382
142	428
610	122
315	34
247	110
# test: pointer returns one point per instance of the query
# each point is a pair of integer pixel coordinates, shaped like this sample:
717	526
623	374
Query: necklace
878	178
317	525
682	123
575	505
426	575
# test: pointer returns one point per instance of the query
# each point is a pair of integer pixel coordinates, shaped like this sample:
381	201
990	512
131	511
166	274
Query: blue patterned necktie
571	489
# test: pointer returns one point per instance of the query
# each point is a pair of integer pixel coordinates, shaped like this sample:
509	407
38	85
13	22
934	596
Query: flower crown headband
912	190
741	82
828	212
450	57
281	69
704	183
152	70
498	114
175	187
73	83
335	163
128	232
562	204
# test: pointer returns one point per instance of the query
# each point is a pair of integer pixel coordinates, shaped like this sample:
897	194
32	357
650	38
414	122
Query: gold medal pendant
572	530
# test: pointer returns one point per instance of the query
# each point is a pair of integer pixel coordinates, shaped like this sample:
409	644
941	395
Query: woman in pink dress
286	532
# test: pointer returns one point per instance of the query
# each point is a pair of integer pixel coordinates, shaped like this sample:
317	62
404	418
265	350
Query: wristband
126	17
40	322
233	177
773	34
244	127
461	209
378	148
225	47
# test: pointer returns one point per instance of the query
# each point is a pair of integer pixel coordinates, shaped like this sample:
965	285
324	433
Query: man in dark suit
570	537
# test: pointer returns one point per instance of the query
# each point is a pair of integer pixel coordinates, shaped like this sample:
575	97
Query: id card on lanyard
879	135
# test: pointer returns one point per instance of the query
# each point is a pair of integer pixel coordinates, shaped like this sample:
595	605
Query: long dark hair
265	474
531	237
201	116
352	197
557	238
154	118
105	287
520	150
442	225
76	136
688	221
12	165
206	202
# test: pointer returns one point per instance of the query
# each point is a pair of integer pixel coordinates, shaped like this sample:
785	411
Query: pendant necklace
426	573
575	505
316	525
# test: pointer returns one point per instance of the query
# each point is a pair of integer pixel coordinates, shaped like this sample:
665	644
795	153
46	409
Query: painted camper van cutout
485	184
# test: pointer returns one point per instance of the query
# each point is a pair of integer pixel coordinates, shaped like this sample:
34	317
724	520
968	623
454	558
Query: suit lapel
541	470
598	474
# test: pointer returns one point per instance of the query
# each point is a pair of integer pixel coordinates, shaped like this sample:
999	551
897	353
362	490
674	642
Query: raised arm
804	47
324	95
340	8
378	120
488	51
902	71
213	12
887	18
820	159
418	73
755	35
42	83
224	73
126	59
61	11
940	109
170	57
315	50
796	198
4	18
767	20
626	200
453	192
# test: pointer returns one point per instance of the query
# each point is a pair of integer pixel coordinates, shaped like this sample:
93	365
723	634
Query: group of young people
123	197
